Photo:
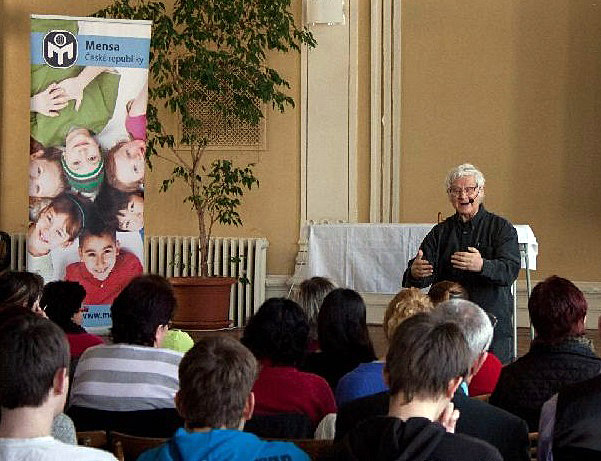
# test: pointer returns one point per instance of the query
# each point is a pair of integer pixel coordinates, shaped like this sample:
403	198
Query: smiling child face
99	255
45	178
132	217
82	153
49	232
129	162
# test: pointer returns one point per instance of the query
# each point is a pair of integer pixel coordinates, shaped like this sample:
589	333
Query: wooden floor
377	336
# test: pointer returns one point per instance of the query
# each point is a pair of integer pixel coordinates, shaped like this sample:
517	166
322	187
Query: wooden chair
129	447
533	439
316	449
94	439
483	397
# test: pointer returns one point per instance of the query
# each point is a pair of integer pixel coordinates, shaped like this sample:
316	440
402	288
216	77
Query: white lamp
330	12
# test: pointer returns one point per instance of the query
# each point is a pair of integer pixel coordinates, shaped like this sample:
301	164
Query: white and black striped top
124	377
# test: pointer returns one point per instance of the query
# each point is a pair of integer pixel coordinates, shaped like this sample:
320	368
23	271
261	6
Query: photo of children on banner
86	172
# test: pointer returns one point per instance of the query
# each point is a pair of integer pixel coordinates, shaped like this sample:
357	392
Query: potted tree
215	52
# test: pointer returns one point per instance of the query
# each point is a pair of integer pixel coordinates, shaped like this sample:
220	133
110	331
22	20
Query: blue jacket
222	444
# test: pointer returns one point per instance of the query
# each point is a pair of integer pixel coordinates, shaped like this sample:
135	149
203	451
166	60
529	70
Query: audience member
215	399
62	302
506	432
559	355
343	336
311	293
445	290
426	362
569	422
34	358
21	289
485	380
367	378
277	335
133	374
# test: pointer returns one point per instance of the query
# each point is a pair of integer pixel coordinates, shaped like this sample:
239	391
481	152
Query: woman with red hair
559	355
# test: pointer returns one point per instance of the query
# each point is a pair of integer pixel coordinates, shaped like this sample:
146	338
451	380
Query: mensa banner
89	91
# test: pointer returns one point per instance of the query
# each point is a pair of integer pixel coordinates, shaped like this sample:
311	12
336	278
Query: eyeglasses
457	191
493	319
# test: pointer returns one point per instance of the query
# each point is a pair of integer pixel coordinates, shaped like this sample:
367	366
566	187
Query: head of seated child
125	165
46	176
58	224
98	250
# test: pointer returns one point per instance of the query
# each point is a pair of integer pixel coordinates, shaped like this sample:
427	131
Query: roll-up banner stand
89	90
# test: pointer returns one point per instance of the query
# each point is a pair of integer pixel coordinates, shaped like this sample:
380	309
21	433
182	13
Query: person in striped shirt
133	373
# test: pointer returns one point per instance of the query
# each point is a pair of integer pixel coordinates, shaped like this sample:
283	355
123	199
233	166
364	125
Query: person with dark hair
367	378
62	302
34	358
310	295
559	355
506	432
343	336
277	335
104	268
124	210
485	380
445	290
426	362
21	289
133	374
215	399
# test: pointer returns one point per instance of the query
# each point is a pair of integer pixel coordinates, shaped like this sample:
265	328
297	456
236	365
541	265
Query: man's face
99	255
463	190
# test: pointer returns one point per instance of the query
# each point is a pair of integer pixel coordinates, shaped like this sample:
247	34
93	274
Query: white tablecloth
371	258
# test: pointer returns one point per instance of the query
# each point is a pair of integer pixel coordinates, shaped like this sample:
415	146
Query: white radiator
178	257
175	256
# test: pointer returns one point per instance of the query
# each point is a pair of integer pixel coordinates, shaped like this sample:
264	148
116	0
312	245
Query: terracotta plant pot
203	303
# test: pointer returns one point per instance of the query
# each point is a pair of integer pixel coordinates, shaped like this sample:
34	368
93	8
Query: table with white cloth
371	258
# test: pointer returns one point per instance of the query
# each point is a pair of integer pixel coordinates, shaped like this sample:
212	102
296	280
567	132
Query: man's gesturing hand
469	260
421	267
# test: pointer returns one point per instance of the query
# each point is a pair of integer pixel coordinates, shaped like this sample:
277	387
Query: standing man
475	248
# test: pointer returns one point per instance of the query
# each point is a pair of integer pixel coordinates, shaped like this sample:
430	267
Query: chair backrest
281	426
533	439
162	422
95	439
129	447
316	449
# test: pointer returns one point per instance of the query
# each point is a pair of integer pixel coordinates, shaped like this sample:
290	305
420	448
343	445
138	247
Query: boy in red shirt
104	269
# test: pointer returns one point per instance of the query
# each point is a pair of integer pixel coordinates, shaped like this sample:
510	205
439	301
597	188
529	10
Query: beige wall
512	86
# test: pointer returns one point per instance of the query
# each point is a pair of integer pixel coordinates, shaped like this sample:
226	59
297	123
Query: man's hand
421	267
448	418
469	260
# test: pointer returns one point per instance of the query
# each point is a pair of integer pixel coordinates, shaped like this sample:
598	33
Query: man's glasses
457	191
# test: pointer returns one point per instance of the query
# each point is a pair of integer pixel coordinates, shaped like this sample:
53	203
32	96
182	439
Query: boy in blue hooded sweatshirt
215	399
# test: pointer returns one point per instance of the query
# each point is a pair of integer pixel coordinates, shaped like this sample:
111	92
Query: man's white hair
461	171
471	320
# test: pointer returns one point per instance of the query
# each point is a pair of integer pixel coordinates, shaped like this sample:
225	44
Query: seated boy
215	399
426	362
34	359
104	270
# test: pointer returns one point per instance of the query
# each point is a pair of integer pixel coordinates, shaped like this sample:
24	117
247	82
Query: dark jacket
506	432
497	241
525	385
418	439
577	432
